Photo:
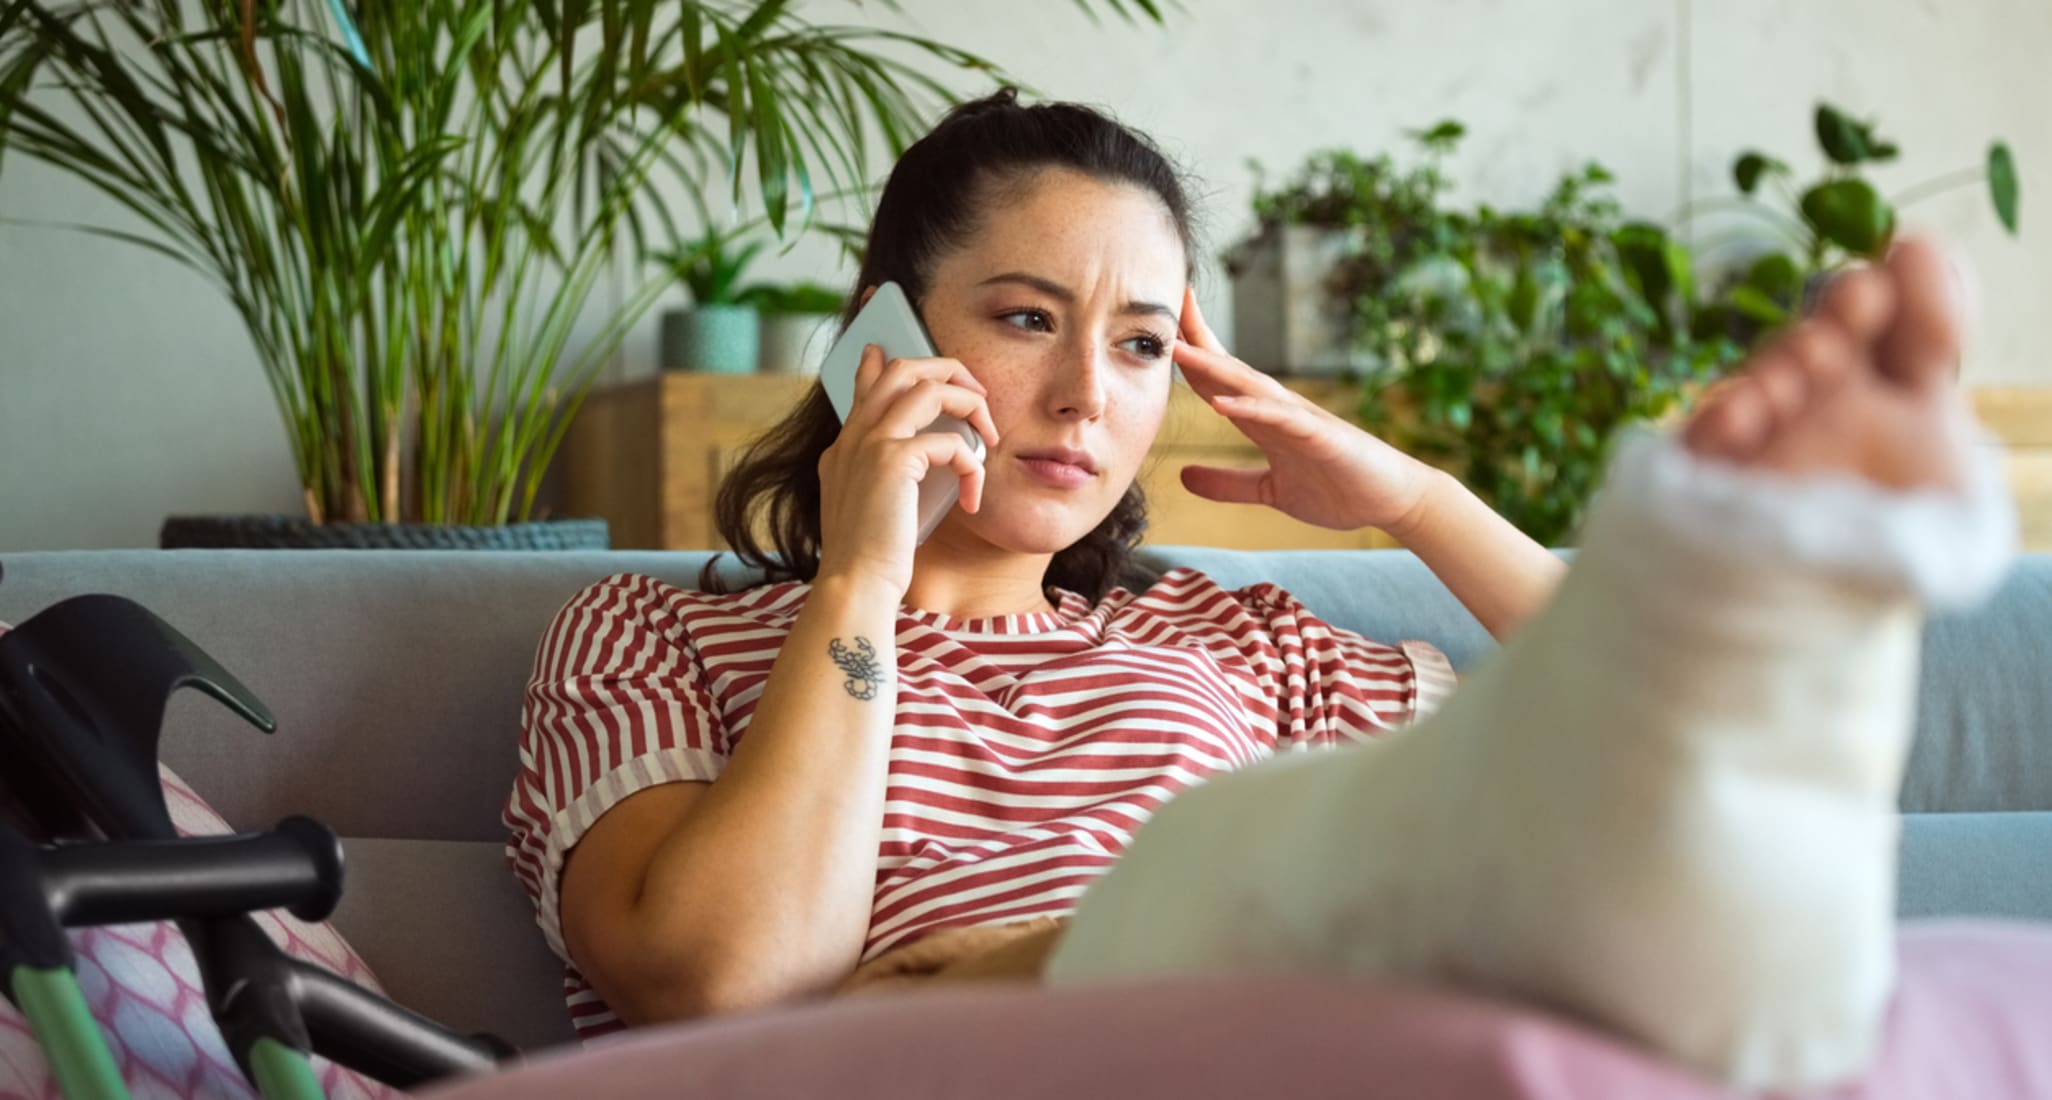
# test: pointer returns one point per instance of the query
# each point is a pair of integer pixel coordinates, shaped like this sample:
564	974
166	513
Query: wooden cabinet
2020	421
648	456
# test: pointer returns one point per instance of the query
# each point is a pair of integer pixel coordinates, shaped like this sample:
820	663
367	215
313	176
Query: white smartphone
889	321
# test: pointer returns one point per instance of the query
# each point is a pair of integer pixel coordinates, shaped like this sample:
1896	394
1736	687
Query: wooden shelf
648	456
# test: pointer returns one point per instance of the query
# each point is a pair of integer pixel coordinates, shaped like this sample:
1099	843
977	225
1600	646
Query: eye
1033	320
1147	347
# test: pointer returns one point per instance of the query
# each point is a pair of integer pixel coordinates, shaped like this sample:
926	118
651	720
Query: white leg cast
1667	808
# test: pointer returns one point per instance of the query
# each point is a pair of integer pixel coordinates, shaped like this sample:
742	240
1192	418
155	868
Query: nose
1076	391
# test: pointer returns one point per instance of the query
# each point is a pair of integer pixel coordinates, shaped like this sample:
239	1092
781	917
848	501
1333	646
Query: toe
1733	424
1781	375
1922	344
1823	353
1860	302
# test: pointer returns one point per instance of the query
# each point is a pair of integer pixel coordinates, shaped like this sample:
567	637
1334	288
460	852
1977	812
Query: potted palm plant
409	203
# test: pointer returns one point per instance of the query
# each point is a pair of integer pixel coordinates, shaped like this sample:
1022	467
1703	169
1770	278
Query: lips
1064	456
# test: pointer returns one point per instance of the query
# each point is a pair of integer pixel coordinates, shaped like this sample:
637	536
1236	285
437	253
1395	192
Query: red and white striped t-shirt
1027	748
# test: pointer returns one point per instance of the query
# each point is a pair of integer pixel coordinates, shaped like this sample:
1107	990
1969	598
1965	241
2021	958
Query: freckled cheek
1137	417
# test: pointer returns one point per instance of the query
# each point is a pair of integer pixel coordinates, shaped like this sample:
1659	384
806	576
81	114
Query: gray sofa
397	677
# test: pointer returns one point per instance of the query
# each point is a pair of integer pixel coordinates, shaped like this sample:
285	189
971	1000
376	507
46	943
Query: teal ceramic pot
712	339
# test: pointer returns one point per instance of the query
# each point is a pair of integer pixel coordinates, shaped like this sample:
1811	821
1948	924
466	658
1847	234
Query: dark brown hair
937	197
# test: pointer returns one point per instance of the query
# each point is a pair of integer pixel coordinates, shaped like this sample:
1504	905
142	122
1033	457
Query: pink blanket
1972	1021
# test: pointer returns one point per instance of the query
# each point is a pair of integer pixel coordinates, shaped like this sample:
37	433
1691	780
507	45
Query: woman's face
1064	306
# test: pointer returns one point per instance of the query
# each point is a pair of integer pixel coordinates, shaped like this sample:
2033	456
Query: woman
896	759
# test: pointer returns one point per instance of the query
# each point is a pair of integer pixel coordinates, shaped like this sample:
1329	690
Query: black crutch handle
47	888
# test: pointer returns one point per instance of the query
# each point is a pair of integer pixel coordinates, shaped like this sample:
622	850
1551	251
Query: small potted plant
1291	307
720	333
797	323
1840	219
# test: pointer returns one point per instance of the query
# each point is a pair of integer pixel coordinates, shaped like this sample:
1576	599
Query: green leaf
692	32
1441	137
771	149
1852	215
1845	140
1523	306
1657	261
1125	9
2002	184
1751	167
760	19
1777	276
1757	305
136	239
574	12
640	19
14	83
1712	322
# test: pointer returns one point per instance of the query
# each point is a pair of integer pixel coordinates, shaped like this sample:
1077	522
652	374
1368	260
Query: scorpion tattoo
864	676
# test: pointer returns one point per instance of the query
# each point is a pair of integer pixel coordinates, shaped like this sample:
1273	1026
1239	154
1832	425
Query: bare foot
1863	386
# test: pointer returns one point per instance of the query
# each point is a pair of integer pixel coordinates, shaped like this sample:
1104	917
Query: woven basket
296	533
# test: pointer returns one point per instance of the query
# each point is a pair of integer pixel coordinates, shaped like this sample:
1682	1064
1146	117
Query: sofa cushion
143	987
453	938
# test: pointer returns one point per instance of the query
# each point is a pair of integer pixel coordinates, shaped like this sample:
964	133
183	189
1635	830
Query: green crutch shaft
283	1073
65	1029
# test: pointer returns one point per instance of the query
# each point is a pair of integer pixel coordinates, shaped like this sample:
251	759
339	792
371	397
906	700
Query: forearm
765	891
1497	572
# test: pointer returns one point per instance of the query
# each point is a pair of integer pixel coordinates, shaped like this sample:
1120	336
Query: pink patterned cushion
1972	1021
143	987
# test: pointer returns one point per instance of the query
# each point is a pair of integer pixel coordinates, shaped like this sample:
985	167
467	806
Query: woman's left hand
1321	469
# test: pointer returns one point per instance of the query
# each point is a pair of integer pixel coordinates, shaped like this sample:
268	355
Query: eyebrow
1063	294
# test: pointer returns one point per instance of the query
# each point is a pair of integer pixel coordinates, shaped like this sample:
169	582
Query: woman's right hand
869	478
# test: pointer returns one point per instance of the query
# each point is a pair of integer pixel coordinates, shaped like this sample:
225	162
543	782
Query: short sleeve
618	703
1338	686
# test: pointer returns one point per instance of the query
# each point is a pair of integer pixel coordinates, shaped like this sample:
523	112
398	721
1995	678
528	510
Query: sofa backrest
1984	709
396	677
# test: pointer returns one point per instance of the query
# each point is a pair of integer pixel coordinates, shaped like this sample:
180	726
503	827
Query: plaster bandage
1666	808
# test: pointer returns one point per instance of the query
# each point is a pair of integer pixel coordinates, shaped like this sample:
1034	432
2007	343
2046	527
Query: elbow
644	992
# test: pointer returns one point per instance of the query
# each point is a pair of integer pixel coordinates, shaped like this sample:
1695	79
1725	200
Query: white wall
128	392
